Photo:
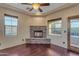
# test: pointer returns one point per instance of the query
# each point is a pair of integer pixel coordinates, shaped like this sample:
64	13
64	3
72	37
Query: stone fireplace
38	32
38	35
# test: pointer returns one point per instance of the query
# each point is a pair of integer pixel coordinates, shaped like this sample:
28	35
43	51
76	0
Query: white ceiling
46	9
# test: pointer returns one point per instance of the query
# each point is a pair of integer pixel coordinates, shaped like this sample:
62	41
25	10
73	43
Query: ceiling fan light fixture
38	13
36	6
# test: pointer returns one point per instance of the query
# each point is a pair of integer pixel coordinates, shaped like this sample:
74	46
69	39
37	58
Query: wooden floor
37	50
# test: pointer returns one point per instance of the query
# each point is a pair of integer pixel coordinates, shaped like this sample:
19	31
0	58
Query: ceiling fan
36	6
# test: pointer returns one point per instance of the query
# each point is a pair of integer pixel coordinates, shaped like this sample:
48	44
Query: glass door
74	33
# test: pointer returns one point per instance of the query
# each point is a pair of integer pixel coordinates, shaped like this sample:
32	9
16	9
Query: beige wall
24	21
38	21
58	40
7	41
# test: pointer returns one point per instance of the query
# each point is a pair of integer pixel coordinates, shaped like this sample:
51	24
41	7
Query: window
10	25
55	26
74	27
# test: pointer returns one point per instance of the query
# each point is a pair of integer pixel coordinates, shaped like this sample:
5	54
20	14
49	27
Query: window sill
75	36
10	35
54	34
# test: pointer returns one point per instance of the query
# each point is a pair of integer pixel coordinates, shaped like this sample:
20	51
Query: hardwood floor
37	50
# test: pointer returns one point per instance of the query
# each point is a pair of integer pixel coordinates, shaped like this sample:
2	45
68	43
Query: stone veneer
38	28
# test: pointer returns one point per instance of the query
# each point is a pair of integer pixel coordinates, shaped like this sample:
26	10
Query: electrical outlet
0	44
64	31
63	42
22	39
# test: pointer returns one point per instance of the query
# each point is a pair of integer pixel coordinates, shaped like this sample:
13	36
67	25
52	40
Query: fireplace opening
38	34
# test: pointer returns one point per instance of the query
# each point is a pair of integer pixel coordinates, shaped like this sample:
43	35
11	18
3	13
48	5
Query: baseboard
12	46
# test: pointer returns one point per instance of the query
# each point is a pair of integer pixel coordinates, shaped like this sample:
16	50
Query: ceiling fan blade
40	10
44	4
31	9
26	3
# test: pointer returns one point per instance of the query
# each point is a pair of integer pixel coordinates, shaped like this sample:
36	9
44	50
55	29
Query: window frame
53	20
10	25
